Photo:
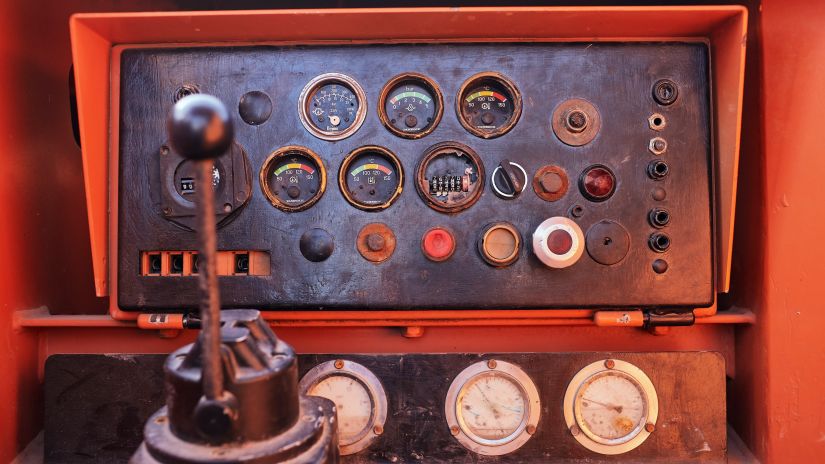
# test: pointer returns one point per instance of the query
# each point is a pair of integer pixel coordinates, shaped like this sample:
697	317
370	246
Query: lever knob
199	127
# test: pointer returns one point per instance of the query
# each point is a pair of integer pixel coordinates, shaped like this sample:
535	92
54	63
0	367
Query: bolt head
375	242
339	364
657	145
656	121
576	120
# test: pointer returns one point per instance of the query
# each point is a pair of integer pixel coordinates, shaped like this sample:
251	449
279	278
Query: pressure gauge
359	399
611	407
492	407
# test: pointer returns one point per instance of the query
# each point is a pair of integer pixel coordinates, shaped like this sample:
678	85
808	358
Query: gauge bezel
283	152
579	429
344	169
421	80
455	420
505	82
364	376
329	78
423	188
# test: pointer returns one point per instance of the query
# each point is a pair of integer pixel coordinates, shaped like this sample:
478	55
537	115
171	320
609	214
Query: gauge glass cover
492	407
488	105
611	407
371	178
293	178
353	403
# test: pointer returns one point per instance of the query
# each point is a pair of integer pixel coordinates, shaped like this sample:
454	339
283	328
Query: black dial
293	178
488	105
332	106
371	178
411	105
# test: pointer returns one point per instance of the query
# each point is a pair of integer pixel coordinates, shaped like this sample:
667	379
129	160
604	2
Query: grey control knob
558	242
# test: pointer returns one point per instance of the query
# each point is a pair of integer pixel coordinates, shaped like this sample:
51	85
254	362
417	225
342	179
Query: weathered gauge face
371	178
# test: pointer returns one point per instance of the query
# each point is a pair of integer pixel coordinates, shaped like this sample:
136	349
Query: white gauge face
611	407
353	402
493	407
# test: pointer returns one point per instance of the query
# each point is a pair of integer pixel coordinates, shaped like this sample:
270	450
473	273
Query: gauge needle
490	403
604	405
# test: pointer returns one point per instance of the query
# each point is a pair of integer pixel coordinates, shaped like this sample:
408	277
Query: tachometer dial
492	407
611	406
488	105
293	178
371	178
411	105
359	398
332	106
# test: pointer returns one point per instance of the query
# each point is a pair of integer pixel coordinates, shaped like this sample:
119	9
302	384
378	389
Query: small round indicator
411	105
371	178
293	178
488	105
492	407
597	183
558	242
500	244
438	244
332	106
614	404
359	398
450	177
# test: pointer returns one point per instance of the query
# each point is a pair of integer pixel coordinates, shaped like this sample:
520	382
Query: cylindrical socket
657	169
659	242
658	217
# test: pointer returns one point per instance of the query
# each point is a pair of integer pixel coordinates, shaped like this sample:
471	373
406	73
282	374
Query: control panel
425	176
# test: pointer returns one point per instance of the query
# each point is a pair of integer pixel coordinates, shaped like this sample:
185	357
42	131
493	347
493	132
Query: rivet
378	430
339	364
574	430
454	429
492	364
609	363
650	427
167	211
531	429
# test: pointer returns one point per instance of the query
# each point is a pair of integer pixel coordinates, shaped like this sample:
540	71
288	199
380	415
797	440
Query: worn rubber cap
438	244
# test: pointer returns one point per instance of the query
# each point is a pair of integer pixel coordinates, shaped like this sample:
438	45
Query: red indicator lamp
597	183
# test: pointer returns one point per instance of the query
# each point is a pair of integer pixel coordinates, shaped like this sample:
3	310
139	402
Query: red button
559	242
438	244
598	183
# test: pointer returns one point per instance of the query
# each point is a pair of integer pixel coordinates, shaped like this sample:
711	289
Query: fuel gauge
371	178
411	105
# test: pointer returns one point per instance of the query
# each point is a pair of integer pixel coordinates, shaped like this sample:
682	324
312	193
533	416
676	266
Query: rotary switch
509	179
558	242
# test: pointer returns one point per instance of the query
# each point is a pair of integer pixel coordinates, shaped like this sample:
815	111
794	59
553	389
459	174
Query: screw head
650	427
375	242
167	211
609	363
454	430
492	364
576	121
657	145
378	430
531	429
574	430
339	364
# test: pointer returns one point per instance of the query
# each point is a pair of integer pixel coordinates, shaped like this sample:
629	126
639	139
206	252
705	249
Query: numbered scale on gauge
293	178
332	106
411	105
371	178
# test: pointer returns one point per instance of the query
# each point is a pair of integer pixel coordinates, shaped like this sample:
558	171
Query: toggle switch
558	242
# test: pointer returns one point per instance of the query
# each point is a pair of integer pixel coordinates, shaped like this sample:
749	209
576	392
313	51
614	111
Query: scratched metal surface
617	78
96	405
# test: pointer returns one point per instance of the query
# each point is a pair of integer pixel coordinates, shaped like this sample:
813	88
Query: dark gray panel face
616	78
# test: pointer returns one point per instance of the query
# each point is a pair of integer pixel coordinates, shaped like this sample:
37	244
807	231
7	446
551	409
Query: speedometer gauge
488	105
492	407
410	105
611	406
371	178
293	178
332	106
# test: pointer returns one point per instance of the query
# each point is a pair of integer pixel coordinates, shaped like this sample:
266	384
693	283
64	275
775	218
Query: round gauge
450	177
293	178
411	105
488	105
371	178
492	407
332	106
359	398
611	406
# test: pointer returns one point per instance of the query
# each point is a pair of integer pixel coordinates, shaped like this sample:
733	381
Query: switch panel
428	176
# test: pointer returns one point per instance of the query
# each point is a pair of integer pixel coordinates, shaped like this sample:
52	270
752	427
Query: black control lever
510	177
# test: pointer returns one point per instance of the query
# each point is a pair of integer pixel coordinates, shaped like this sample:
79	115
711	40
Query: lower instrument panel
507	407
426	176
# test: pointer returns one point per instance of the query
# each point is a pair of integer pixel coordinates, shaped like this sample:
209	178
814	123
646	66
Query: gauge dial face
353	402
411	105
488	105
450	177
332	106
371	178
492	407
293	178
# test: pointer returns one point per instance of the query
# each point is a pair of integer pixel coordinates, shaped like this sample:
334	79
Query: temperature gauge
293	178
611	406
411	105
332	106
371	178
488	105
